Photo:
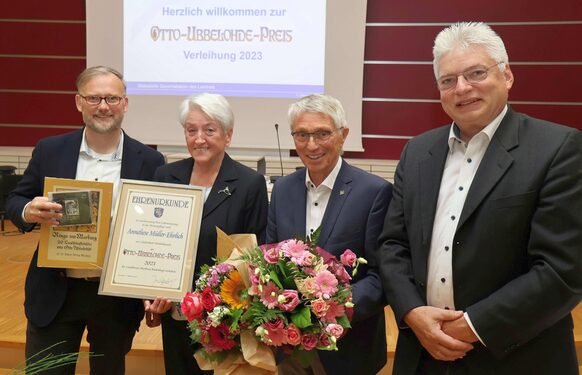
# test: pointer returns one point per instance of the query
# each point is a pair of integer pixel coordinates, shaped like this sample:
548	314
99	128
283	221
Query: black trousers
109	333
178	348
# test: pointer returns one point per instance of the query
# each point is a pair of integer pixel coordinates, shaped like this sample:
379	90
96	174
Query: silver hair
214	106
319	103
465	35
95	71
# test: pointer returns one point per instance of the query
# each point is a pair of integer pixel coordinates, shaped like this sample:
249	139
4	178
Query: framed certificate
153	242
81	239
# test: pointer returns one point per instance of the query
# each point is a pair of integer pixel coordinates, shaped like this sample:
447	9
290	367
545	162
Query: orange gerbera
233	291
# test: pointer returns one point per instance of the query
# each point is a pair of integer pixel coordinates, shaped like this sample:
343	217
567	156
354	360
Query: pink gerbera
326	284
269	295
296	250
333	311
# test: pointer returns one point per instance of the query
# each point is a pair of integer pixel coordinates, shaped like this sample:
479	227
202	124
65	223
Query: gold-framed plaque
154	240
81	239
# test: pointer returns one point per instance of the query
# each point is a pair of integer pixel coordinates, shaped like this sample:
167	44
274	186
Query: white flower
216	315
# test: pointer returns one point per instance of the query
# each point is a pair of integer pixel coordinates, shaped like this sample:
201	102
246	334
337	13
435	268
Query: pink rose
291	300
192	306
309	259
276	335
276	323
293	335
271	255
209	299
309	341
308	286
348	258
335	330
324	340
319	307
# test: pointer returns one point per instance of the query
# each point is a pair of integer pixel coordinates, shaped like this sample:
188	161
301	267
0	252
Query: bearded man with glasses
61	303
480	254
348	206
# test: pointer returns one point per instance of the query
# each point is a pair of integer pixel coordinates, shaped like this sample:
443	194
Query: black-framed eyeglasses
472	76
96	100
320	136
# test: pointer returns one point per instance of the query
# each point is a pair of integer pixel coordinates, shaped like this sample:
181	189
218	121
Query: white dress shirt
318	197
93	166
461	165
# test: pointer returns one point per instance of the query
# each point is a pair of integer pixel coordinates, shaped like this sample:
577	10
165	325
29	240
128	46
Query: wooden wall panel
36	77
399	95
402	118
44	10
27	136
532	82
409	118
544	43
33	38
399	81
379	148
449	11
37	109
570	115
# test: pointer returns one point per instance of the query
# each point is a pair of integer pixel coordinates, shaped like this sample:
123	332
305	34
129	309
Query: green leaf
314	238
236	315
344	321
275	279
302	317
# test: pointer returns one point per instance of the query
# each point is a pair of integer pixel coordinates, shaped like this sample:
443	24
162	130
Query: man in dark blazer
348	205
60	303
481	257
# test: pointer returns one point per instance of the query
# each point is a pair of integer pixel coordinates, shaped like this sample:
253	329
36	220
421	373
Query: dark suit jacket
517	260
57	156
353	220
243	211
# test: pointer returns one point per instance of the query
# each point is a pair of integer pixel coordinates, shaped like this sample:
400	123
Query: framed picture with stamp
154	239
80	241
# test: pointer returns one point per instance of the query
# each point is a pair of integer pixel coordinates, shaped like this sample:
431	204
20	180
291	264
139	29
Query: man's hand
157	306
42	211
459	329
426	322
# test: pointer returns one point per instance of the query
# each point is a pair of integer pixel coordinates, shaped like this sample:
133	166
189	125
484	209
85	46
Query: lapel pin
342	192
226	191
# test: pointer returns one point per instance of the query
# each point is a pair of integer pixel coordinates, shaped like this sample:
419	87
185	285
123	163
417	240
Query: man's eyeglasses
96	100
471	76
320	136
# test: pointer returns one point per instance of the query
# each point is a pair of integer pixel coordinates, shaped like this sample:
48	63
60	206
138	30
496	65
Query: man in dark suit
348	205
481	257
60	303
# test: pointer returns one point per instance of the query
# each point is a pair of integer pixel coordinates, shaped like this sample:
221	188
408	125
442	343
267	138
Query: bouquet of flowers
292	295
301	297
215	308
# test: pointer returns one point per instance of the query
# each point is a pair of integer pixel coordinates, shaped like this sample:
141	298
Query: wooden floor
146	357
16	251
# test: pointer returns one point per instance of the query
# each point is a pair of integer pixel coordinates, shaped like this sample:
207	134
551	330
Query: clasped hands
445	334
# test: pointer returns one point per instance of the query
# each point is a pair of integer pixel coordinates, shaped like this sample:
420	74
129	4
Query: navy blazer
57	156
243	210
353	220
517	264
